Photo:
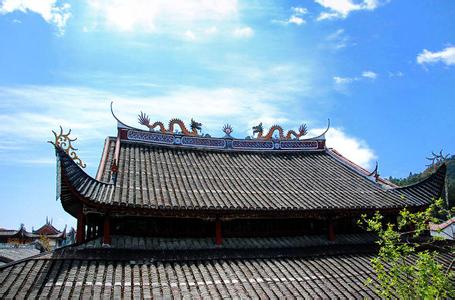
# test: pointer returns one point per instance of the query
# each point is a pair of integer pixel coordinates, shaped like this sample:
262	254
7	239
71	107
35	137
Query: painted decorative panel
203	142
252	144
150	137
297	145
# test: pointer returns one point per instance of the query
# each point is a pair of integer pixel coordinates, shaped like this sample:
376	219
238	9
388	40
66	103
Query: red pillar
80	233
107	231
89	231
331	230
218	236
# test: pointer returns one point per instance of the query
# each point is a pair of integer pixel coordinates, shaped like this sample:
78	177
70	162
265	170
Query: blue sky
382	71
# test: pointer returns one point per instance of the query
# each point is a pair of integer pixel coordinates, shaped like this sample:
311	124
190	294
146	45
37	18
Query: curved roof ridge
359	169
438	172
84	185
47	226
408	188
64	156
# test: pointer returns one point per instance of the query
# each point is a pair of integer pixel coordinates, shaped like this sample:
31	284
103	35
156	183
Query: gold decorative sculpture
195	126
290	134
63	141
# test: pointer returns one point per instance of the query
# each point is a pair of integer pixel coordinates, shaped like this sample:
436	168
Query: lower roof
16	253
76	272
328	277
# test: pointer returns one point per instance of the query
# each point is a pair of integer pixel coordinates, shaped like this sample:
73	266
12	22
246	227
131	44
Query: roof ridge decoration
191	138
259	130
64	142
437	159
227	129
375	172
195	126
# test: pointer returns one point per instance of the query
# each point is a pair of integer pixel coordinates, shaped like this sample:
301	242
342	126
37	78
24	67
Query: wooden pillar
218	235
80	233
107	230
331	230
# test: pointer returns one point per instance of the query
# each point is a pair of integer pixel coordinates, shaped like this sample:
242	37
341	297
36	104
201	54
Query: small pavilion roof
49	230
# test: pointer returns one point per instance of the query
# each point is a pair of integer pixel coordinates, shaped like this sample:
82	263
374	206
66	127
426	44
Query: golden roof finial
63	141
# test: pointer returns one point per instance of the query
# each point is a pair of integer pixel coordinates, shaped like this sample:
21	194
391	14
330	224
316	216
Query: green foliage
411	179
403	269
45	242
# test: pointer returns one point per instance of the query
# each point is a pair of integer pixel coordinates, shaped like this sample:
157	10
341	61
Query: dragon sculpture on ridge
289	135
195	126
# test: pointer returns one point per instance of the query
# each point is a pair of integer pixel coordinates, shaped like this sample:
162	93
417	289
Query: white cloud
49	10
396	74
335	35
160	15
355	149
300	10
338	40
86	110
341	84
243	32
211	30
446	56
344	80
37	161
369	74
351	147
342	8
201	34
296	20
189	35
266	93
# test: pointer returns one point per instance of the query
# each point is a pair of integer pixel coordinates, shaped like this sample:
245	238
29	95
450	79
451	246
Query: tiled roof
22	232
167	178
17	253
8	232
164	243
48	229
105	273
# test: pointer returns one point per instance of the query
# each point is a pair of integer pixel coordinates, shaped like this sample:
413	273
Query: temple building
173	213
21	236
19	244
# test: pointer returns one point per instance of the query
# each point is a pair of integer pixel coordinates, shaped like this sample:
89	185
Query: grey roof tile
156	177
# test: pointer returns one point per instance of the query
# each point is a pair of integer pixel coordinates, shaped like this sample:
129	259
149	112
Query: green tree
406	265
45	243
